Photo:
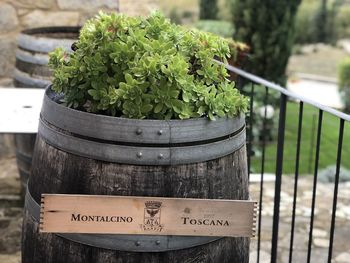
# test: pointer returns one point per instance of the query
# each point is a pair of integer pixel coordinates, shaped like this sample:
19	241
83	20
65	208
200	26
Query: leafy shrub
344	82
315	23
208	9
237	49
146	68
239	56
297	50
327	175
305	27
187	14
221	28
268	30
175	16
342	22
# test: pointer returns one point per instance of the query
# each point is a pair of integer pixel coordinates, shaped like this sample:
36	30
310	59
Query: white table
20	109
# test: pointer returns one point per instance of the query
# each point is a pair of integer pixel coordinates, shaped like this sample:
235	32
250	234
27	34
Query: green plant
327	175
208	9
269	30
146	68
342	22
237	50
344	82
321	22
305	27
297	50
188	14
221	28
175	16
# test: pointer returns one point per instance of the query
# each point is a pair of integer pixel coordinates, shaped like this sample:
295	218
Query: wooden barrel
32	72
83	153
24	152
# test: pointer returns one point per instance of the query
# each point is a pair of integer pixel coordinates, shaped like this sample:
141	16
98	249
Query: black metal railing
251	85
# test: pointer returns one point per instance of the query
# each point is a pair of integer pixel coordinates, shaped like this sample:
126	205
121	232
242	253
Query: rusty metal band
133	130
139	155
132	243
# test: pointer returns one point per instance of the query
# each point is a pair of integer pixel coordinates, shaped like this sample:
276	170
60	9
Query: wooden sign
147	216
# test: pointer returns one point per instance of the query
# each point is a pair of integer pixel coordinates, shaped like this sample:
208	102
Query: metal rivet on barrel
139	154
160	132
160	156
137	243
138	131
157	242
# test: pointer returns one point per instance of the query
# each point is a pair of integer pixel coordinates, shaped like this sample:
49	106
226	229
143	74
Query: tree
267	26
344	82
208	9
321	23
333	25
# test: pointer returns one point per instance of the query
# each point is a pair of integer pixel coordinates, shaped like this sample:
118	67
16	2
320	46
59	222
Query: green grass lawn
329	142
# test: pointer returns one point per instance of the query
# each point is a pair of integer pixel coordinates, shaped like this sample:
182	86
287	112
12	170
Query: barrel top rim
50	30
135	141
48	91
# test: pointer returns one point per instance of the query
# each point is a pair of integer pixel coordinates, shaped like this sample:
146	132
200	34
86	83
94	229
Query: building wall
16	15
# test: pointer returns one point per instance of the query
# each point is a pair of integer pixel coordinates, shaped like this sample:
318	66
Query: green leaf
200	72
93	93
174	93
146	108
211	116
202	110
158	108
185	97
129	79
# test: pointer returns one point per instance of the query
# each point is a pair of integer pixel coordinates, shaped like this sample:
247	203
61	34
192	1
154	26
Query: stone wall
16	15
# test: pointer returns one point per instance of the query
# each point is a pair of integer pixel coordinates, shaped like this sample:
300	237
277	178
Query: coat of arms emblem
152	216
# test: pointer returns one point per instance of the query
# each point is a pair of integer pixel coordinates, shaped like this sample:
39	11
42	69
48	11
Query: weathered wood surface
58	172
24	153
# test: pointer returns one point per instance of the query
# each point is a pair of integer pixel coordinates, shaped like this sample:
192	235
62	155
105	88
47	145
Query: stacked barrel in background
32	56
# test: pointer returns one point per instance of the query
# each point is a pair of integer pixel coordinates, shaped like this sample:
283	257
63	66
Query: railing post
262	174
314	188
278	182
250	134
336	184
296	178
